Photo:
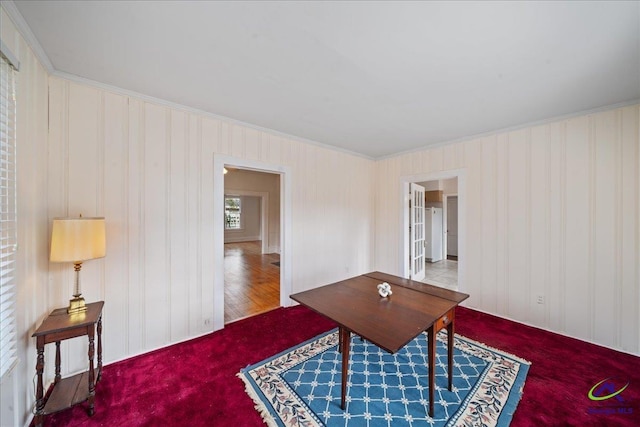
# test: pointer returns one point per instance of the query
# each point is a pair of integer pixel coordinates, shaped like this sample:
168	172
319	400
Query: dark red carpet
195	383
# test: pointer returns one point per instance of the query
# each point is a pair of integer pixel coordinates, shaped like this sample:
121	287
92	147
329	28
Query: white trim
8	53
26	33
242	239
461	174
219	163
445	229
187	109
549	120
621	350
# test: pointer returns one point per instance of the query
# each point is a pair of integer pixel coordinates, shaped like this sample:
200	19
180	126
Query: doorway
251	244
281	233
444	191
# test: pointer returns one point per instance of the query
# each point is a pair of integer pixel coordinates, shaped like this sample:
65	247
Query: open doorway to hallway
251	243
441	232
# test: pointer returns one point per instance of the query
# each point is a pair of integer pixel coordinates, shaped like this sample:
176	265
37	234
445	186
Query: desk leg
431	337
450	334
58	363
99	349
92	385
40	386
345	336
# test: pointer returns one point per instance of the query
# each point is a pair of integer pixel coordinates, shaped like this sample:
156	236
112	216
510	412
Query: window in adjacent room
8	212
232	211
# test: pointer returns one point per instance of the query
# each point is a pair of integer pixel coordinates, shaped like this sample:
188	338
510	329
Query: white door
452	226
416	231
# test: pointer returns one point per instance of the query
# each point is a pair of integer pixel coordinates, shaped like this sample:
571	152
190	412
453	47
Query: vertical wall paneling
135	305
114	182
557	208
578	230
617	237
57	191
563	222
591	263
178	224
517	195
252	144
474	219
210	142
630	230
57	202
502	236
155	224
605	193
538	173
488	225
83	158
192	276
38	292
555	235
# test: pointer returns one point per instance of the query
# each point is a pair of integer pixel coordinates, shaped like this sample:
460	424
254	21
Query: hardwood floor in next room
251	280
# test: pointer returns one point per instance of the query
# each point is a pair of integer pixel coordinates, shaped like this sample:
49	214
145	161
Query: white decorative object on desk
384	289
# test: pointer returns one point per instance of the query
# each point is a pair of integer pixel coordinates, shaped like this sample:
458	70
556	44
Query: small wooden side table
59	326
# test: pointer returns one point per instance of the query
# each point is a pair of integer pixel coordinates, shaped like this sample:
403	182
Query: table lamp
76	240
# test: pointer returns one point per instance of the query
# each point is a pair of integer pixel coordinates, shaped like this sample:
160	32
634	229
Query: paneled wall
31	138
148	169
551	211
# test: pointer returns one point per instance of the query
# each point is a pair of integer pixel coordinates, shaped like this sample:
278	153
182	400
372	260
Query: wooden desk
390	323
59	326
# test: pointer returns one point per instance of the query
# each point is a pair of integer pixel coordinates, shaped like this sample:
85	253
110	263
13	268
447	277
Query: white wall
33	286
449	186
148	169
551	210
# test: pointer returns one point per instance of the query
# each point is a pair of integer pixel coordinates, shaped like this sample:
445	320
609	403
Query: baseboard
550	330
241	239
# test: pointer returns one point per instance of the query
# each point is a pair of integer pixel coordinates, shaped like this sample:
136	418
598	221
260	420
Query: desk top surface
59	320
391	322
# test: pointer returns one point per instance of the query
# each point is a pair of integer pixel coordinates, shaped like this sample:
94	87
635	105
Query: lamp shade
77	239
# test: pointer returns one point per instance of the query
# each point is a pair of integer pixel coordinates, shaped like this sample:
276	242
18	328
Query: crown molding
23	28
174	105
513	128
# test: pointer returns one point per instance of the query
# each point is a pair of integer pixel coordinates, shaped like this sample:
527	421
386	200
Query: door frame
403	250
445	234
416	191
219	163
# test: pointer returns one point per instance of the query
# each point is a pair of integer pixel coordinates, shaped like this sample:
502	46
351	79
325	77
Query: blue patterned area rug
301	386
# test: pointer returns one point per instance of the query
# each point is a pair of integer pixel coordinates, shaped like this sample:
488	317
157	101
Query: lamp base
76	305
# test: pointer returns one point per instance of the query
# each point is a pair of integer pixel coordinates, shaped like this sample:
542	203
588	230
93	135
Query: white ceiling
375	78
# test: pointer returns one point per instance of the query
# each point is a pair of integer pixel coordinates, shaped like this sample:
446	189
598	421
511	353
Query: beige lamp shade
77	239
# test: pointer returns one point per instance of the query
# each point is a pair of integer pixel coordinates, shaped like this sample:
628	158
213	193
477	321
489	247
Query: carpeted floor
195	383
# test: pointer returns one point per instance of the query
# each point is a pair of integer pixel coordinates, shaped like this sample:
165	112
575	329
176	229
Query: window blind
8	217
